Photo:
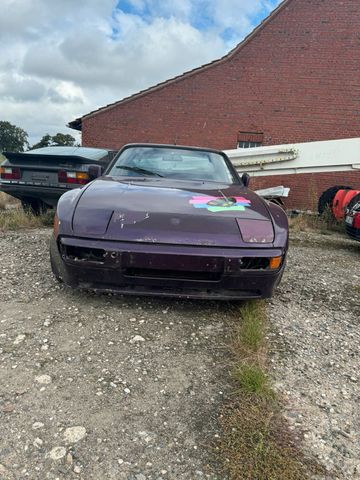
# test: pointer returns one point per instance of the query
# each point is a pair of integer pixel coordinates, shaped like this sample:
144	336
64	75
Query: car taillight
10	173
356	221
80	178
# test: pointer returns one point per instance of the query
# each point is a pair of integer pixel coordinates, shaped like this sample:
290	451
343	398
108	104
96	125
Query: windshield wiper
138	170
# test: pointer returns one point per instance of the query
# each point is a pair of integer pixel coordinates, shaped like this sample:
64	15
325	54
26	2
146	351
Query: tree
12	138
63	139
60	139
44	142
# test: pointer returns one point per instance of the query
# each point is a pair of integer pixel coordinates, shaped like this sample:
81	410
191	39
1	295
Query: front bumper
165	270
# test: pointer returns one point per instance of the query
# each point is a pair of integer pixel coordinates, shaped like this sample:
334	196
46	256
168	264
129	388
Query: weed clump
256	443
18	219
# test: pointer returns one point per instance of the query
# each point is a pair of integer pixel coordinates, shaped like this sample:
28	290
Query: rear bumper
49	195
166	270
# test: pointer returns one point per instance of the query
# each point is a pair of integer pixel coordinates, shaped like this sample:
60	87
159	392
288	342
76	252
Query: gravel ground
316	345
103	387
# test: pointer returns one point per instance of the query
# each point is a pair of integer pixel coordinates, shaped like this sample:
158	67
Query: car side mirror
94	171
245	178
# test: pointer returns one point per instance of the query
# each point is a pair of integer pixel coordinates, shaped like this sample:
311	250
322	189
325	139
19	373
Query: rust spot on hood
129	218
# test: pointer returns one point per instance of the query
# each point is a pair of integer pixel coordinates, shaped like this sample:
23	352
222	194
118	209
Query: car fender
66	208
281	225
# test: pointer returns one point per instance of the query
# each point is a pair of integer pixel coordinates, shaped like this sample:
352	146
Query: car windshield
177	163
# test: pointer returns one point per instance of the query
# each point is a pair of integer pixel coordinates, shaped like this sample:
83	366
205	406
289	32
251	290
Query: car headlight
256	231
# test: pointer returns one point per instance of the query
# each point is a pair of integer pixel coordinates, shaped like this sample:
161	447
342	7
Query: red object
79	178
341	201
356	221
62	177
10	173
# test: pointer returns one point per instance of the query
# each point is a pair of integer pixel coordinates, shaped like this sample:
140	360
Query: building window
244	144
250	139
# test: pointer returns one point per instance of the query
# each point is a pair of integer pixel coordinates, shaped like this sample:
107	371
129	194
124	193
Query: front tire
326	198
54	259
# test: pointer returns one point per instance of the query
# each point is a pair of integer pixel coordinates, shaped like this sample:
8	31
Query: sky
62	59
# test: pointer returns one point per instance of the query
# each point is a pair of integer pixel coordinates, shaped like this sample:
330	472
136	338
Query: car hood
153	210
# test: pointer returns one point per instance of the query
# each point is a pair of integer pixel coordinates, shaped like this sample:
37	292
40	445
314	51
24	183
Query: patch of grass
250	331
257	446
256	443
2	201
17	219
305	222
324	224
253	380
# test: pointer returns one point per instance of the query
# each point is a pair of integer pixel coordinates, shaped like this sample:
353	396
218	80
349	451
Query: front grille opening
255	263
172	274
79	254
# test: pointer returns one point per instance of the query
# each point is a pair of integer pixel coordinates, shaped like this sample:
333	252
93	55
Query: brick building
295	78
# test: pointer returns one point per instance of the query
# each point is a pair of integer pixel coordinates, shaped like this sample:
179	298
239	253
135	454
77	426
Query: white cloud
234	14
63	59
17	88
66	92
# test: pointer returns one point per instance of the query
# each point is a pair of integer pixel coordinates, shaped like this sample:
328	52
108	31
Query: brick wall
296	80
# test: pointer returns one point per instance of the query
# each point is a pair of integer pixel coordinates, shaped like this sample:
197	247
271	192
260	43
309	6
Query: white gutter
311	157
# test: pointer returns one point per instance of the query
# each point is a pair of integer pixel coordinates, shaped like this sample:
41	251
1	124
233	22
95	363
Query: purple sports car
172	221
